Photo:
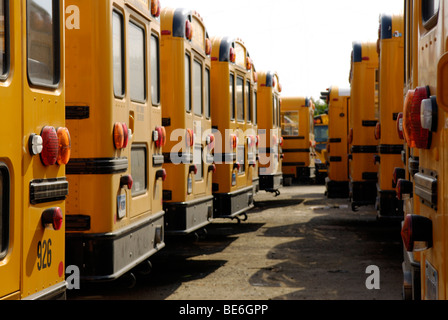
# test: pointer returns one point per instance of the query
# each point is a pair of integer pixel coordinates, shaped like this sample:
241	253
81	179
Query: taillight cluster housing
53	145
121	135
419	118
159	137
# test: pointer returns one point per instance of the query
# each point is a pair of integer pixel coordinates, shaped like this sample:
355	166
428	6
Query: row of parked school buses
122	122
386	143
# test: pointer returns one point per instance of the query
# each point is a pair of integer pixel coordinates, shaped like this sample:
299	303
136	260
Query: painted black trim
180	16
293	138
364	149
77	222
295	150
386	26
369	123
77	112
182	157
390	148
292	164
97	166
334	140
357	52
224	49
6	209
335	159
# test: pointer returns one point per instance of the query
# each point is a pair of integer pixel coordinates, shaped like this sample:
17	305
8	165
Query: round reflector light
52	217
50	146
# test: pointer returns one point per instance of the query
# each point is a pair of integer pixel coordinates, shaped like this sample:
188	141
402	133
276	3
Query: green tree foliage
321	106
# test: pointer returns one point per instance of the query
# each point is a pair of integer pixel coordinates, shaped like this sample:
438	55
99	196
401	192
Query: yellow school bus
337	181
363	168
403	175
269	131
35	146
424	124
321	138
114	209
391	68
297	123
186	72
234	149
252	124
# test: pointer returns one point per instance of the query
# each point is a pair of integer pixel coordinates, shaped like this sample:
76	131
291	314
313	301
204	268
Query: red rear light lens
416	136
155	8
399	173
118	135
126	181
160	139
403	187
189	138
52	217
50	146
416	233
208	46
188	30
378	131
232	55
161	174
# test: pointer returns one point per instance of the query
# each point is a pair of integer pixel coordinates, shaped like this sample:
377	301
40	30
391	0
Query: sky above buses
308	42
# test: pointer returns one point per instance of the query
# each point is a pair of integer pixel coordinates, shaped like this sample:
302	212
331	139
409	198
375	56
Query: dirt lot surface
297	246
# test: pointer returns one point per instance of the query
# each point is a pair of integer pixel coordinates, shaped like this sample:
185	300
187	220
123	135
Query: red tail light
212	168
50	146
257	141
126	181
159	136
208	46
232	55
378	131
52	217
416	136
189	137
155	8
281	141
400	125
121	135
416	233
248	63
399	173
193	168
403	187
188	30
236	166
161	174
233	141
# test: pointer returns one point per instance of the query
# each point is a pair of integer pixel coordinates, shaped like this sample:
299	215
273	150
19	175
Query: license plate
121	205
432	281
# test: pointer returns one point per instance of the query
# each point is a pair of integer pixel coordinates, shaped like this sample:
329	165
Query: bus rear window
139	170
43	42
118	54
4	54
137	53
430	10
240	99
4	210
290	123
155	68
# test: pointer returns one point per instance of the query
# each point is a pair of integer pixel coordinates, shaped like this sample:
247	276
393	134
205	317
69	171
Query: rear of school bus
187	191
34	150
114	209
232	182
254	134
337	181
424	124
363	169
269	131
403	175
321	123
296	118
391	68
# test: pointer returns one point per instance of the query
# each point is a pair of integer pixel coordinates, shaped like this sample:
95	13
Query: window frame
134	24
57	76
157	45
5	212
187	88
199	64
121	95
7	57
137	147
